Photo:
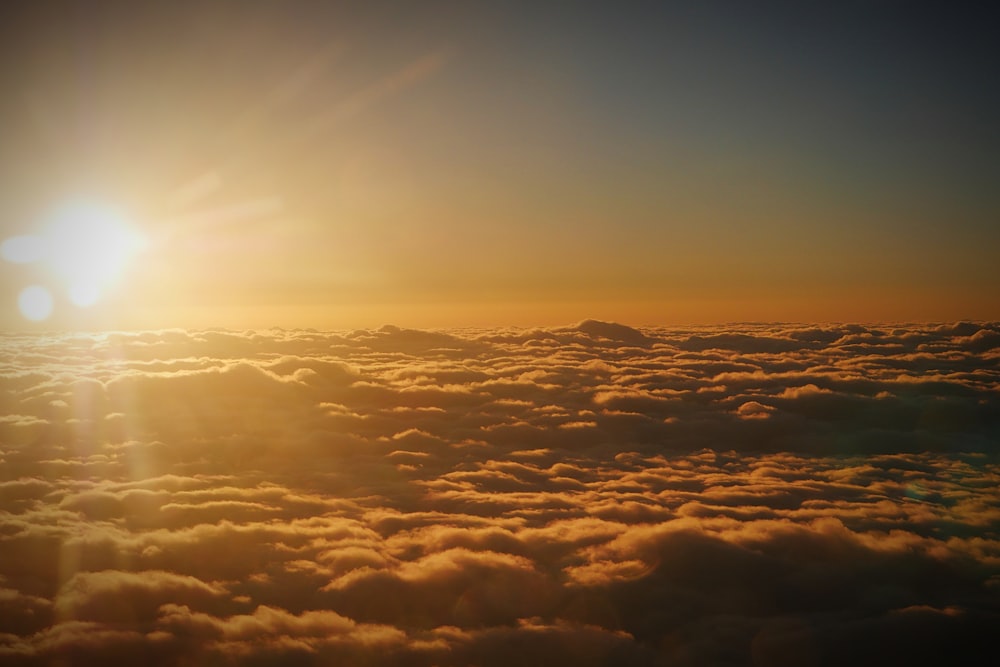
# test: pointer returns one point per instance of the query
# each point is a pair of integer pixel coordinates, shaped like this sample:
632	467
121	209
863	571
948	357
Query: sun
84	246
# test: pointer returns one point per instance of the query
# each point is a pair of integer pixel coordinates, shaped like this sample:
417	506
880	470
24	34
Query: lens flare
23	249
87	246
84	247
35	303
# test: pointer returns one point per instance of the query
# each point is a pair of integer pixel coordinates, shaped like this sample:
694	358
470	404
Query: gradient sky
450	163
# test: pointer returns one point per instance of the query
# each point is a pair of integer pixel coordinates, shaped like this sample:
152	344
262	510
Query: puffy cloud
763	494
121	596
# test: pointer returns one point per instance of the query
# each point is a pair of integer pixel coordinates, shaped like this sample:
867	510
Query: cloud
121	596
763	494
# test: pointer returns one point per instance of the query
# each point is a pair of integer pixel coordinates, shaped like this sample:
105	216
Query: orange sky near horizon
465	165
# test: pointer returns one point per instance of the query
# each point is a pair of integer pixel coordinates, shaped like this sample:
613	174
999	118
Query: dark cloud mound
612	331
598	495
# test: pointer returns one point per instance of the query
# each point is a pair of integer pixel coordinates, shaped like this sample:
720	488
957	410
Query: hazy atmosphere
426	334
348	165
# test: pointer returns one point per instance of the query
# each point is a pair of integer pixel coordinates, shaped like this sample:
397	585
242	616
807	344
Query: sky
341	165
499	333
594	494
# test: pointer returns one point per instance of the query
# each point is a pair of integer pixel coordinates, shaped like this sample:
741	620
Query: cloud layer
765	495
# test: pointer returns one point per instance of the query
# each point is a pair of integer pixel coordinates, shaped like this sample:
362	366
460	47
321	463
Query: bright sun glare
84	246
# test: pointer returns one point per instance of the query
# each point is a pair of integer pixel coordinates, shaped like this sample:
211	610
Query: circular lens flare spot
35	303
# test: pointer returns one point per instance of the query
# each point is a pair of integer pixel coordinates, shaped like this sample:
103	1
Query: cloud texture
759	495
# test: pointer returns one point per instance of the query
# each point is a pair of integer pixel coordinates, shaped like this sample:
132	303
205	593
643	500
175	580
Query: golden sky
448	164
453	333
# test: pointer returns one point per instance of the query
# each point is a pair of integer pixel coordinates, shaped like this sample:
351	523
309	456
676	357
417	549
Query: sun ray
84	246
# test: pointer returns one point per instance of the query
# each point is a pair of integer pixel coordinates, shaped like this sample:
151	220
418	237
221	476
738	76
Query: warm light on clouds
750	495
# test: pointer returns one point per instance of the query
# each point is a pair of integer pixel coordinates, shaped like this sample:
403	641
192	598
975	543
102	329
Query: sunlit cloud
415	497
